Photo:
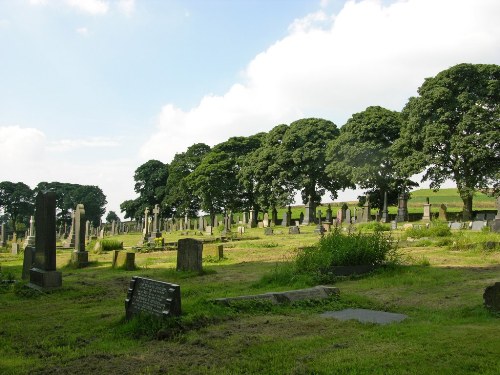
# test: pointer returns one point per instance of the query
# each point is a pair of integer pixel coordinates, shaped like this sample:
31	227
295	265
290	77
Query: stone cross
146	222
156	212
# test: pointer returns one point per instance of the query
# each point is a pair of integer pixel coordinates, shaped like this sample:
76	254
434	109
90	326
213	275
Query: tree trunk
467	210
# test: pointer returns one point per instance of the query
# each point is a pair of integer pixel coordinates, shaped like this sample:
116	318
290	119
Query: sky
92	89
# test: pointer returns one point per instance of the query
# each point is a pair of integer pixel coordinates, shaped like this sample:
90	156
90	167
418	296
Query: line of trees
449	131
17	201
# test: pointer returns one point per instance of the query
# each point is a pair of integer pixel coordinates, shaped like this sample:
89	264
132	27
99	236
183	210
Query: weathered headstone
124	259
220	251
481	216
208	230
477	225
366	215
491	297
43	275
348	216
286	220
294	230
309	212
402	207
385	211
394	225
265	220
29	256
268	231
80	257
252	219
155	233
442	213
241	230
145	231
456	225
156	298
70	240
189	255
427	210
328	218
201	224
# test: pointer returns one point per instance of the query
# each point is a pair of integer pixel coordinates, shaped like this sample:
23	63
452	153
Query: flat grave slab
317	292
365	316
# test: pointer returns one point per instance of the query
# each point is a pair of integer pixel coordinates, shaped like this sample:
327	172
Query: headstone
87	231
442	213
328	218
274	216
113	227
478	225
14	249
245	218
309	212
70	241
402	207
327	227
145	230
43	275
268	231
241	230
152	297
30	238
491	297
427	211
366	215
495	225
253	219
301	218
286	220
29	256
189	255
208	230
265	221
339	218
394	225
348	216
80	257
155	233
201	222
294	230
385	211
123	259
489	216
456	226
3	239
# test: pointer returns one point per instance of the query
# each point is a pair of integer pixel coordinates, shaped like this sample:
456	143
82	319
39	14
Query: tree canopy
17	201
451	130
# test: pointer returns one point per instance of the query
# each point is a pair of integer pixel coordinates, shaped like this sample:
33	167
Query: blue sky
91	89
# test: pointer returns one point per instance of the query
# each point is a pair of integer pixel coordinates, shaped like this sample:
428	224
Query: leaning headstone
43	275
491	297
268	231
294	230
80	257
152	297
189	255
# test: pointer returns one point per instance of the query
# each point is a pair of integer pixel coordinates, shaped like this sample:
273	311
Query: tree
16	200
131	209
302	159
451	130
180	198
112	216
363	154
151	183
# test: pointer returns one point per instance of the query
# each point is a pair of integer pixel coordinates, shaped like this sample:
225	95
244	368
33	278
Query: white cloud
95	7
126	7
38	2
83	31
64	145
334	65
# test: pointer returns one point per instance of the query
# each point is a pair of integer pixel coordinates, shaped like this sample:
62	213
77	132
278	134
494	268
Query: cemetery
259	300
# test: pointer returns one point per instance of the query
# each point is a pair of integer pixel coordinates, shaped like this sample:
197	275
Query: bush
374	226
352	249
435	230
107	245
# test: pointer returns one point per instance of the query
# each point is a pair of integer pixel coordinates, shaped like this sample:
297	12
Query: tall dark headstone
402	207
385	211
80	257
309	212
145	231
274	216
253	219
43	275
189	255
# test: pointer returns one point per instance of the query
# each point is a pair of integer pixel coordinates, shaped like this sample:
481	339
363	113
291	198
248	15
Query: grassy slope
80	328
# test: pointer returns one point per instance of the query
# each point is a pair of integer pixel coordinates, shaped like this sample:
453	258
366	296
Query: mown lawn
81	328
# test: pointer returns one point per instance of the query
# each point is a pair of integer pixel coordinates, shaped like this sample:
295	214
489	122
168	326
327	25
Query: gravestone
201	224
442	213
286	220
80	257
327	227
268	231
43	275
366	214
241	230
348	216
301	218
265	221
3	239
294	230
328	218
489	216
145	231
402	207
87	231
252	219
456	226
427	211
274	217
309	212
123	259
495	225
220	251
155	232
152	297
113	227
394	225
477	225
244	220
491	297
189	255
208	230
385	211
70	241
14	249
29	256
30	238
481	217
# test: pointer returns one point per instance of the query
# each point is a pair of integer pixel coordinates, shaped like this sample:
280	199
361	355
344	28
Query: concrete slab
365	316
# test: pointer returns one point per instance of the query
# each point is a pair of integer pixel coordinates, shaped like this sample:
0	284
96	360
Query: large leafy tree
302	158
180	198
16	200
451	130
151	184
363	154
263	179
131	209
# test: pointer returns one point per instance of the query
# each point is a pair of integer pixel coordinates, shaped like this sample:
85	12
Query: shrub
435	230
337	249
374	226
108	245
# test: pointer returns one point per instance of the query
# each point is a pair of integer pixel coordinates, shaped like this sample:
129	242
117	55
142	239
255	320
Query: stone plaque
157	298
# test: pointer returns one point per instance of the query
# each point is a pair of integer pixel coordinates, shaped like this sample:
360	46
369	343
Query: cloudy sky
91	89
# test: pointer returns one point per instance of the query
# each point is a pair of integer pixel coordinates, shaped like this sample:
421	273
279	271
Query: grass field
81	328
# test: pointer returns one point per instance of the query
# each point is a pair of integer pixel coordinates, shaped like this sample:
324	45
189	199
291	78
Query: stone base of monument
45	280
80	259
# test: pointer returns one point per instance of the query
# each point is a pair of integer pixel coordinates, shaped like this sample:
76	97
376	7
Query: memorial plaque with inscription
157	298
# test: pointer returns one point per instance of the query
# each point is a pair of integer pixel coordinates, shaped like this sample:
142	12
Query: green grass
81	328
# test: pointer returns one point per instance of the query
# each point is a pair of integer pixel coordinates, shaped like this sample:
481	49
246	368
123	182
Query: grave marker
189	255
